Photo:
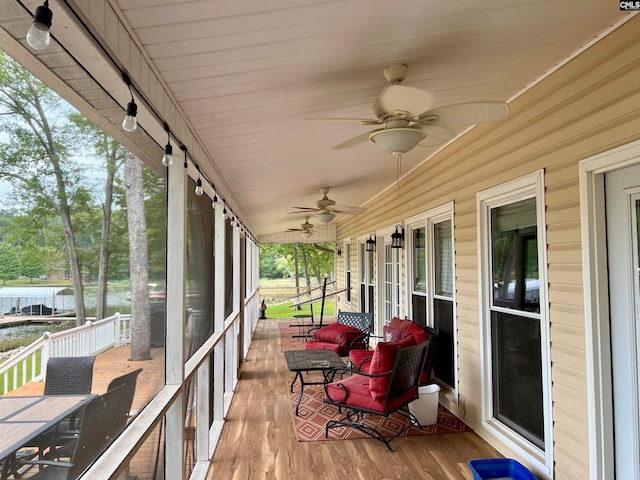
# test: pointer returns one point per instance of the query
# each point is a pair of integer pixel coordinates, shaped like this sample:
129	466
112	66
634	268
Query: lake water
116	302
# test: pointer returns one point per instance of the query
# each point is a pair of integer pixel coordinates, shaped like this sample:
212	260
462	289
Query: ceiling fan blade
306	209
436	135
467	113
343	121
406	99
353	141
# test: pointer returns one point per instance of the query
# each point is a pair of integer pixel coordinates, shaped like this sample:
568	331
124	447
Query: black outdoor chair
69	375
64	376
128	382
350	332
381	392
101	420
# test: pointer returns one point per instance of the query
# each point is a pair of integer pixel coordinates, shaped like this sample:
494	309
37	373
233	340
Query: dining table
23	418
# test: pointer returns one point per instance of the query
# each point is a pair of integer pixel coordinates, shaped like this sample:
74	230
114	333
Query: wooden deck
258	441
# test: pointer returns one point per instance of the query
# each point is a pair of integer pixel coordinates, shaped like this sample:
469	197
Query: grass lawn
285	310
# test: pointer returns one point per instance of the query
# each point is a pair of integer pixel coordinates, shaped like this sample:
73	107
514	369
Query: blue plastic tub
499	469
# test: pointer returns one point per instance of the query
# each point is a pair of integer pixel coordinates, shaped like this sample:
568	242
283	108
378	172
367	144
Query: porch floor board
259	442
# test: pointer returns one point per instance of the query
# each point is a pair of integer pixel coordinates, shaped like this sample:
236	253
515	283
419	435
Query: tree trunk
297	272
103	265
138	265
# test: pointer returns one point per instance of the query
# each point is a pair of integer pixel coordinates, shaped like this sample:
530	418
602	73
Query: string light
167	158
39	35
215	203
130	123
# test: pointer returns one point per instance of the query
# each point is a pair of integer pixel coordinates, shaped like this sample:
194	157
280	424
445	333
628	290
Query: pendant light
167	158
39	35
130	123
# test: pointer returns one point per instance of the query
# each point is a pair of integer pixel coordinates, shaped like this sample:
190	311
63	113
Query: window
517	367
442	301
419	270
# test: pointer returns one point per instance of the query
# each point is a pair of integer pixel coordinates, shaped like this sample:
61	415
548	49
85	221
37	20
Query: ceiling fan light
397	140
306	234
325	217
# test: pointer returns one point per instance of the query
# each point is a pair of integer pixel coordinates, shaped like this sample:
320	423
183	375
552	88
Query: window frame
348	272
522	188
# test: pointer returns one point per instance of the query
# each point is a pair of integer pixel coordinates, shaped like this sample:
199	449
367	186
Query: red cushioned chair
392	382
350	332
396	331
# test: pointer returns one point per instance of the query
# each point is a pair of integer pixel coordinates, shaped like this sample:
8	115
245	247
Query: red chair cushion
384	357
322	346
336	333
417	331
358	357
398	323
357	394
390	334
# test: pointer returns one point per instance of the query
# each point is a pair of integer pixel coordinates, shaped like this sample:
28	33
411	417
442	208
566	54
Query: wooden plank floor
259	442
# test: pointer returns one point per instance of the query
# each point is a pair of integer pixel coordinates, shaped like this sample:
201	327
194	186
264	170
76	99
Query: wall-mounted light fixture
39	35
338	251
370	244
397	237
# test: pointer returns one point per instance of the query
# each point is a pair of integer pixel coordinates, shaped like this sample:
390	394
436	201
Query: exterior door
391	277
622	189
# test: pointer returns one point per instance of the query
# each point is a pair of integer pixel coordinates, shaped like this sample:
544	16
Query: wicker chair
391	384
69	375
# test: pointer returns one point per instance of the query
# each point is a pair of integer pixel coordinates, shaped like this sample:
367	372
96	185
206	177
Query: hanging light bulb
215	203
167	158
224	213
130	123
39	35
199	189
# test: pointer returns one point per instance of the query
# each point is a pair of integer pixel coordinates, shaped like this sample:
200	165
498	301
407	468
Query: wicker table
299	361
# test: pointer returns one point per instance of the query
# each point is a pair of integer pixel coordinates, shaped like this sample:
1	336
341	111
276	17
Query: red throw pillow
384	357
417	331
390	334
332	333
397	323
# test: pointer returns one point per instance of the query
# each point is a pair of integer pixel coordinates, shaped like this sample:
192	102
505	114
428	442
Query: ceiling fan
306	229
326	209
407	116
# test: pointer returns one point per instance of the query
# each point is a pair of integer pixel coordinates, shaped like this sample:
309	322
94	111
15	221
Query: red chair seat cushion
358	394
384	357
337	333
322	346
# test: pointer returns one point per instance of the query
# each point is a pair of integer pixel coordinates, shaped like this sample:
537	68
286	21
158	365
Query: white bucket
425	407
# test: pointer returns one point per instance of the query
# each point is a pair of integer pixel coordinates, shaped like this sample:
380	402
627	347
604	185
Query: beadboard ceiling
245	74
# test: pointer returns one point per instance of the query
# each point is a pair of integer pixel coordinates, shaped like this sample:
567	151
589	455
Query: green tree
35	154
112	155
9	263
31	260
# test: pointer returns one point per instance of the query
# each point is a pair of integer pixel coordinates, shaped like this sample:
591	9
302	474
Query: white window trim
528	186
596	303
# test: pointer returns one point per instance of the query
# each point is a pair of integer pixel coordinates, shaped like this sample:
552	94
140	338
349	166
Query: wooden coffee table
308	361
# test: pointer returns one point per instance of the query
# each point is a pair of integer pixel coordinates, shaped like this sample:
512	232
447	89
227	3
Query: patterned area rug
314	415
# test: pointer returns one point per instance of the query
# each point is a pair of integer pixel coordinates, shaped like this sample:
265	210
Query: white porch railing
89	339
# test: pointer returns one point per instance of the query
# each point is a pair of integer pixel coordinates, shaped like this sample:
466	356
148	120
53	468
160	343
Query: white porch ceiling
245	75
